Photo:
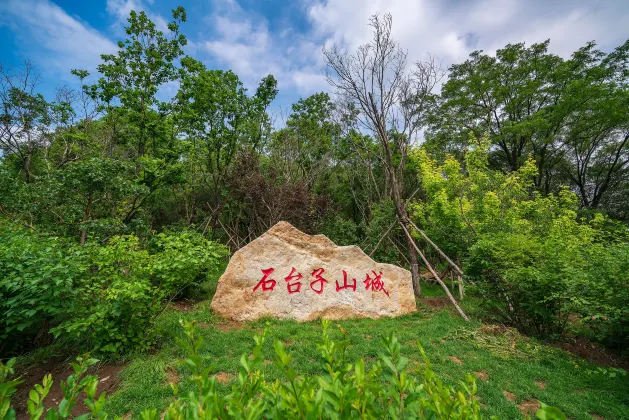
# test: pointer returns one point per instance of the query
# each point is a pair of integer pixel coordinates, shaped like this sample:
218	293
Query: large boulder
288	274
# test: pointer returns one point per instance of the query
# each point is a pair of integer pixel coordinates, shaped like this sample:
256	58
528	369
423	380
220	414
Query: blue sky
284	38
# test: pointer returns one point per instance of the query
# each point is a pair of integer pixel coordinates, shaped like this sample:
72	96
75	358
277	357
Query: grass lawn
512	372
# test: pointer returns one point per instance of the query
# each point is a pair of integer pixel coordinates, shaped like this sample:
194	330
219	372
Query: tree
391	103
596	138
303	150
128	90
569	115
219	121
24	117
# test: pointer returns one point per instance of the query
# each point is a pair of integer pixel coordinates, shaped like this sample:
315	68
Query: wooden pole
434	273
381	238
443	254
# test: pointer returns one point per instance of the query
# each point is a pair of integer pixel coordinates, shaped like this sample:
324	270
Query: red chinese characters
294	287
319	279
376	284
345	285
267	285
372	282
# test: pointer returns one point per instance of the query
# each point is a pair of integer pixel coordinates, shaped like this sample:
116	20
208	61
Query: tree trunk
404	220
417	288
86	216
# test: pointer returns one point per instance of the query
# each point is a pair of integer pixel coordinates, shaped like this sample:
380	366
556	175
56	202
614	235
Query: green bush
182	259
103	295
388	389
37	279
532	258
604	299
341	231
116	302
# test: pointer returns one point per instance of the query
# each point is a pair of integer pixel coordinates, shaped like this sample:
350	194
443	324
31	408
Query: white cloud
121	9
242	41
446	28
54	40
449	29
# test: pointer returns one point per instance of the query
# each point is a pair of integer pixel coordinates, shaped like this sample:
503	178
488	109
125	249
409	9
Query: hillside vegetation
506	173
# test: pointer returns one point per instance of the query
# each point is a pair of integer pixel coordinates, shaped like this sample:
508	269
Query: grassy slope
145	382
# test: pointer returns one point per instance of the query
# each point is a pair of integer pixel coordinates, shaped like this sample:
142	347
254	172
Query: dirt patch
172	375
231	325
597	416
60	370
585	349
482	375
184	305
540	384
529	407
456	360
437	303
510	395
224	377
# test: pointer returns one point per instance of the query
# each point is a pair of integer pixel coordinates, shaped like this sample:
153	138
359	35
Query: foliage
105	296
182	259
566	114
604	299
116	300
345	390
8	386
531	256
37	278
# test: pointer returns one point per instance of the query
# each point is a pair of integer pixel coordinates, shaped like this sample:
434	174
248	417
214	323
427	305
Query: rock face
288	274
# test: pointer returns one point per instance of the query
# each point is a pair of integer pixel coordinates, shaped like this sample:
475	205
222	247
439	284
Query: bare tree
391	102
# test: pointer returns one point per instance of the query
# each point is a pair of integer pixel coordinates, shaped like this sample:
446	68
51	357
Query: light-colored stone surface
282	248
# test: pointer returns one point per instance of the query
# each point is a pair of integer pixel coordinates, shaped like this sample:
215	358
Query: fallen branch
434	273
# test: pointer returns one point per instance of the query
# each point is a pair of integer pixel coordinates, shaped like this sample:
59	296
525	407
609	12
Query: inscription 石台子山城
372	282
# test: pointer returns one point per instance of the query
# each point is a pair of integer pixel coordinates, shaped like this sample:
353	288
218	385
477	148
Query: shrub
604	299
532	258
341	231
103	295
125	284
115	302
389	389
37	278
182	259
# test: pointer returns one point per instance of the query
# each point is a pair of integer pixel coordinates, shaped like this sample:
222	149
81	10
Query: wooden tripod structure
452	264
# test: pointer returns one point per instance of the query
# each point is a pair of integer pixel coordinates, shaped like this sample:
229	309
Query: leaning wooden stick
443	254
381	238
434	273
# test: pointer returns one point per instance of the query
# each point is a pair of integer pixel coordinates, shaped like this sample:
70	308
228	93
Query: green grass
145	381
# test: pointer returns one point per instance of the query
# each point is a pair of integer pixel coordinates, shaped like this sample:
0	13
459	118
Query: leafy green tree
219	121
24	117
128	91
304	148
567	114
596	139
